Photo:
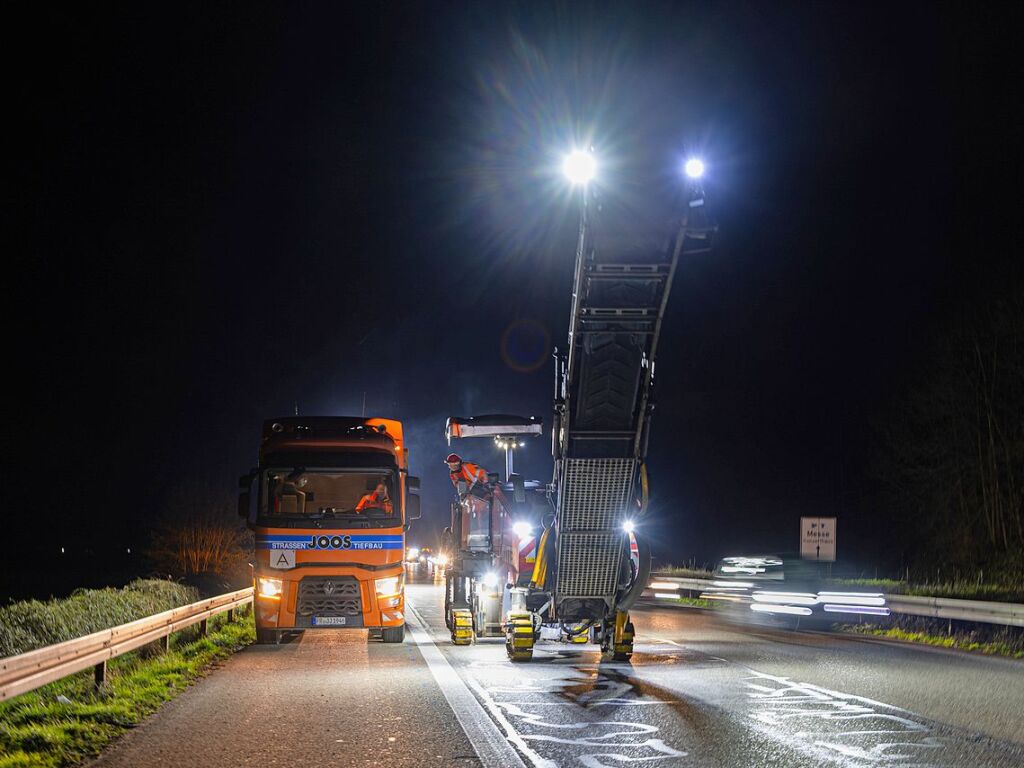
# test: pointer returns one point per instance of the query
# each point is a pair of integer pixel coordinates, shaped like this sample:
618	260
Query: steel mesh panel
596	493
588	564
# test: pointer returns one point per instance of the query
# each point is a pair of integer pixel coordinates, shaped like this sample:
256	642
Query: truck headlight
270	588
390	586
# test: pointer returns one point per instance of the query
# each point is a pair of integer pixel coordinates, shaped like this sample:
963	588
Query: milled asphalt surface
699	692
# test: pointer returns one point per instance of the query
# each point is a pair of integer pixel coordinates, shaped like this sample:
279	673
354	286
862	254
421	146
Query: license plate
329	621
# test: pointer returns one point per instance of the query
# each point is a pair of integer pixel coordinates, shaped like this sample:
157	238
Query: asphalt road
699	692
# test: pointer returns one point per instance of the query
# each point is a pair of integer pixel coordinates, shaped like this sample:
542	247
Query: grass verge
960	642
68	721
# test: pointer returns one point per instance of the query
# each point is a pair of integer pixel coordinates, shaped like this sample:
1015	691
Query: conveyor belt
603	393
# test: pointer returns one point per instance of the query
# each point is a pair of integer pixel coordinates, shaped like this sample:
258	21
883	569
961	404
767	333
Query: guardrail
1005	614
28	671
983	611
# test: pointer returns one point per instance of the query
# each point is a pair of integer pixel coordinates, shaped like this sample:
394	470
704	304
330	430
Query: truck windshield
325	493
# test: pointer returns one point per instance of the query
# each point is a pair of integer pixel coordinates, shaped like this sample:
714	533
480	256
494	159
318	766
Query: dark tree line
951	464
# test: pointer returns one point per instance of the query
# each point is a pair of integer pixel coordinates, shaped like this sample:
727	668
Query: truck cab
330	502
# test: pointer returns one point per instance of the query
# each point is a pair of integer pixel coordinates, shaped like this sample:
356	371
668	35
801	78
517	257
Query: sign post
818	538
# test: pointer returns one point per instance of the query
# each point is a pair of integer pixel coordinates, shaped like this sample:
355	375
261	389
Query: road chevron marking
489	743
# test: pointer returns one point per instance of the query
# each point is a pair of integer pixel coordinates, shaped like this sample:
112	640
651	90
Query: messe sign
818	538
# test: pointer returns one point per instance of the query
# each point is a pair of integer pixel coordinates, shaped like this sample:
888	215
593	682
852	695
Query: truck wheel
267	636
393	634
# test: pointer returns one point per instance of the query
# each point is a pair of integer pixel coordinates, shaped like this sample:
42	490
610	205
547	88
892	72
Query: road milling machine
591	561
491	543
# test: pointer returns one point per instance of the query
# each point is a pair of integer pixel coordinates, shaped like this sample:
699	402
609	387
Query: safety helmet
453	458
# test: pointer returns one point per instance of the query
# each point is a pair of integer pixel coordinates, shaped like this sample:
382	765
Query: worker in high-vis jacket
472	474
377	499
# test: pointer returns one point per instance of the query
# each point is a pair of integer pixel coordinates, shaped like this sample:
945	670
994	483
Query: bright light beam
579	167
694	167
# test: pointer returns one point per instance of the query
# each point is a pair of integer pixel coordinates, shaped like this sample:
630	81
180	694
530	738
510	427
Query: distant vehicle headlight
522	529
270	588
389	586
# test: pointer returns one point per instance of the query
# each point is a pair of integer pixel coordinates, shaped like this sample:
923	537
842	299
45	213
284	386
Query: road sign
818	538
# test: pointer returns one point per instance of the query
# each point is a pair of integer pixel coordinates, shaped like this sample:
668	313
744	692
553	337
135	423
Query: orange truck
330	502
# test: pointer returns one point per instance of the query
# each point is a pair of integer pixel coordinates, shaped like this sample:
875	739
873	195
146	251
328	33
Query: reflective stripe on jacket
469	472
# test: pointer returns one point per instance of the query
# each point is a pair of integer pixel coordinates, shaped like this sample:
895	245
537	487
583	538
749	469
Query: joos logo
330	542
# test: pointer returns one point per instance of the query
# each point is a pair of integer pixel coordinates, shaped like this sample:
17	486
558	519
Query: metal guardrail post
231	615
100	673
203	628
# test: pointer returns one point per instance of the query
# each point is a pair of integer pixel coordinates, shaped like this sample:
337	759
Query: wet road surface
698	692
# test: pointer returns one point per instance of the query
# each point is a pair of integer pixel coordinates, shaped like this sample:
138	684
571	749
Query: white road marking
490	745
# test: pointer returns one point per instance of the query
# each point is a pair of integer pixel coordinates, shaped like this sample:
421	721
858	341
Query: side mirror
518	488
412	507
243	505
412	483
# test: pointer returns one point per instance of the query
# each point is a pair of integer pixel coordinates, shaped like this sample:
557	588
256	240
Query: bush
33	624
200	535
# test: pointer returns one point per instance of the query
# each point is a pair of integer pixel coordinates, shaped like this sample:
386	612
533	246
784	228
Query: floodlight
694	167
579	166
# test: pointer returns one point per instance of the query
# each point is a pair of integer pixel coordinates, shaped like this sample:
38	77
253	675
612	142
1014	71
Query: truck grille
329	596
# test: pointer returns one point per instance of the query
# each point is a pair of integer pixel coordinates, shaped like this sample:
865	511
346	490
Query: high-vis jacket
471	473
371	500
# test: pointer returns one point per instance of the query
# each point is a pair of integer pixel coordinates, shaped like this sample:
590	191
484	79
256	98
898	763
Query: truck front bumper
327	598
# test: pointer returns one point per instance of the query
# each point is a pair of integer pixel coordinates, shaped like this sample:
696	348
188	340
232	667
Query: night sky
222	211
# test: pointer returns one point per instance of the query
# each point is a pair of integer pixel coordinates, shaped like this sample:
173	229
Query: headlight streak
662	585
851	598
748	569
792	610
866	609
781	598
